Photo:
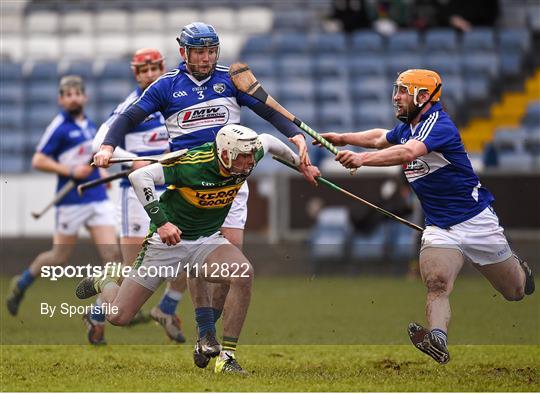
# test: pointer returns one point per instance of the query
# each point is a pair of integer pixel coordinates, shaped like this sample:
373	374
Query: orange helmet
416	80
146	56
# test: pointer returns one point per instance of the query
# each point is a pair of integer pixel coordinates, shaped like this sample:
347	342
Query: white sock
175	295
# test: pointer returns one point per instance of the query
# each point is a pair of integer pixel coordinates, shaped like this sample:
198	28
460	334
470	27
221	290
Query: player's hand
350	159
82	171
310	172
139	164
300	141
335	139
101	158
169	234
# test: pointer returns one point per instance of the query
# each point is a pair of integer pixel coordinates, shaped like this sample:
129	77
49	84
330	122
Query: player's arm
374	138
100	137
277	148
284	126
144	180
394	155
42	162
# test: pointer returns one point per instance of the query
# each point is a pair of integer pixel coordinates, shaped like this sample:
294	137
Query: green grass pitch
302	334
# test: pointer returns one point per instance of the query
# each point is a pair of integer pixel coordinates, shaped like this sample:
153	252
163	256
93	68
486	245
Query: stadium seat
113	91
292	43
369	246
361	65
516	161
147	20
401	240
531	143
304	110
401	62
77	22
178	17
253	19
261	65
325	66
292	20
532	116
112	21
477	88
261	44
329	43
405	41
370	115
512	40
11	116
335	116
222	18
150	39
440	40
12	48
371	88
42	91
478	39
13	163
113	45
367	41
41	115
482	64
42	46
78	46
13	140
42	22
506	141
297	89
329	239
511	64
115	69
444	64
12	22
44	71
332	89
10	71
11	93
85	69
295	66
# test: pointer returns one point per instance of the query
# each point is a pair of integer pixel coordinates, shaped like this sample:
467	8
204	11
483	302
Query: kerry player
185	226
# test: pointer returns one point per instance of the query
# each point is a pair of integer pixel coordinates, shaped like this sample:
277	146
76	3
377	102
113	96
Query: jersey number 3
201	95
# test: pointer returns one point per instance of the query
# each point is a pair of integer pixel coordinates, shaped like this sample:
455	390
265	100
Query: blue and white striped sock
441	335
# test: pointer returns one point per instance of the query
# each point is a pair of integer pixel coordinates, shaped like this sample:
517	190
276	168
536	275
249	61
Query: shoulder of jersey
198	155
222	69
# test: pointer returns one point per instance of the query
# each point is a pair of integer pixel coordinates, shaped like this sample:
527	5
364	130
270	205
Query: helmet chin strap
408	118
198	75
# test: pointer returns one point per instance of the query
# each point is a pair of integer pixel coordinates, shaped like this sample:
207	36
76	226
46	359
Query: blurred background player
148	138
66	150
460	222
196	100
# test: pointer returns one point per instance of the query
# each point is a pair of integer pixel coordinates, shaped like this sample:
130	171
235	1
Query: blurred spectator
353	14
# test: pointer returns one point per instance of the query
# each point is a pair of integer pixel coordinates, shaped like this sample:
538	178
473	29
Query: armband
157	216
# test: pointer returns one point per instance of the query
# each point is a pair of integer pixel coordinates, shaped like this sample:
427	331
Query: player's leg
490	253
64	240
439	268
237	272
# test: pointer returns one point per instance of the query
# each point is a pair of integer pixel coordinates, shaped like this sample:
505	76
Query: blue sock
96	314
217	314
26	280
205	320
441	334
169	302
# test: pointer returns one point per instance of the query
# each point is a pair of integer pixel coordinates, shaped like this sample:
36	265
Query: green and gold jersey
199	195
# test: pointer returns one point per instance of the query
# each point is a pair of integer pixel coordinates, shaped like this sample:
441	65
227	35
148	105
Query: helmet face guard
415	82
199	35
237	140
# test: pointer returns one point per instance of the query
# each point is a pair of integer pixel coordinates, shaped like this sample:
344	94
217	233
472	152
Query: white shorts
480	239
182	256
238	213
70	218
130	213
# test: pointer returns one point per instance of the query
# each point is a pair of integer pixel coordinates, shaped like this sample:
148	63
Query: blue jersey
70	143
149	137
194	111
443	179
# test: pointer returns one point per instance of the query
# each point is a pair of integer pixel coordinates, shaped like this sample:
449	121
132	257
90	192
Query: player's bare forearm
44	163
374	138
394	155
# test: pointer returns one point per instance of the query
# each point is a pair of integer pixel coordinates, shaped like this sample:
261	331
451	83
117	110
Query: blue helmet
198	34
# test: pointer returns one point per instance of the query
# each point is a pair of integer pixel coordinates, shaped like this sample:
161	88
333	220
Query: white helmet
236	139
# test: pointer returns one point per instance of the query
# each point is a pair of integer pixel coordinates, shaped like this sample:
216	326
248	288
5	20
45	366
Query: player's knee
515	294
438	284
119	319
245	278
